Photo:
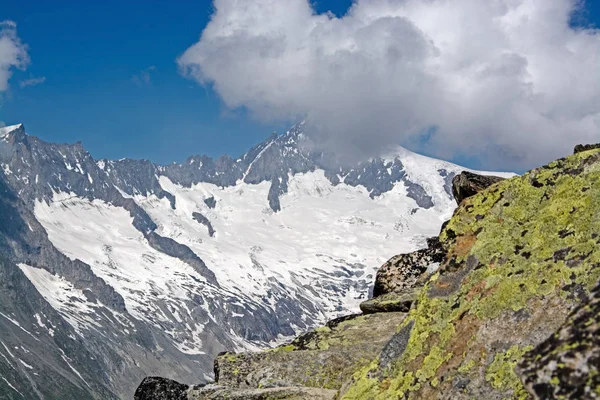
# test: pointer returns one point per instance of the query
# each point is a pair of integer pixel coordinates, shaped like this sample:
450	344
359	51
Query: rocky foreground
504	304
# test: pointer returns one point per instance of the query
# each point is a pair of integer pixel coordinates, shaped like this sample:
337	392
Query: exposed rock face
567	365
323	358
520	256
468	184
404	271
585	147
154	388
204	221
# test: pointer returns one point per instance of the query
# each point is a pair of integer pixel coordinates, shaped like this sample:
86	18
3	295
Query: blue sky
112	82
90	51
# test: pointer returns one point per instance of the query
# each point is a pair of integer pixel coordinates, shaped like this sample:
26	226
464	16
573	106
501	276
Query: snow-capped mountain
114	270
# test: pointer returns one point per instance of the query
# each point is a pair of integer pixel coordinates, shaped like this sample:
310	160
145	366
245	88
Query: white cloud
13	53
507	80
32	81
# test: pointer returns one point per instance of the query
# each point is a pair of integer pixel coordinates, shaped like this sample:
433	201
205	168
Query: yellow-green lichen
500	373
466	367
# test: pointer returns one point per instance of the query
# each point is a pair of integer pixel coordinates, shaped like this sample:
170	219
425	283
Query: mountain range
114	270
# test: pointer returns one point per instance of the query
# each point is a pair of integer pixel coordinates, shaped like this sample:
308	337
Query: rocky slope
115	270
511	312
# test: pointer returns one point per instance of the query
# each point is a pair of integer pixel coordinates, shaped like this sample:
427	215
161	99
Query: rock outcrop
155	388
520	256
467	184
585	147
404	271
511	313
324	358
567	364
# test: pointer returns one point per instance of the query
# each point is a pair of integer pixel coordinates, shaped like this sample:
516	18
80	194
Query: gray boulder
406	271
155	388
468	184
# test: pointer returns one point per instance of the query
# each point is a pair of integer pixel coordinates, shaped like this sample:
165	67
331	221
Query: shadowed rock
204	221
154	388
585	147
390	302
468	184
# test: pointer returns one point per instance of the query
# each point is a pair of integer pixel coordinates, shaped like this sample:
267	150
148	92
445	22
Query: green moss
531	237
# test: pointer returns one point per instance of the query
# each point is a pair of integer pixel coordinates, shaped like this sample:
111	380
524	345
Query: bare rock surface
467	184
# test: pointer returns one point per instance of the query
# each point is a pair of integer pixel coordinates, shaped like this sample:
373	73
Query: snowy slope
323	247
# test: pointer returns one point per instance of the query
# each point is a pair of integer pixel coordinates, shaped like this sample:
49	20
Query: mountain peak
5	131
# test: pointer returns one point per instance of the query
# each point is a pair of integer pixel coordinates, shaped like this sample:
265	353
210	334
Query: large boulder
406	271
567	365
155	388
521	255
467	184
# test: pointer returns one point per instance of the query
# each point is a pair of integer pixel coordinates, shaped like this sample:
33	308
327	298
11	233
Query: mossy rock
520	255
391	302
323	358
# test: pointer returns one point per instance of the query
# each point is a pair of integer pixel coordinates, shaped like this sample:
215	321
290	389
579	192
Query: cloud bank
13	53
509	82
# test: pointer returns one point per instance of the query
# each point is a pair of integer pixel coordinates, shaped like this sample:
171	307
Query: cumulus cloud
507	81
13	53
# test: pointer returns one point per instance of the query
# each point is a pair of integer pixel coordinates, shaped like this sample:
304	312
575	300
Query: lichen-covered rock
467	184
521	255
585	147
406	271
390	302
325	358
567	365
155	388
280	393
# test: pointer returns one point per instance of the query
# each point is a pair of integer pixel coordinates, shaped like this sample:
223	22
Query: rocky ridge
511	311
